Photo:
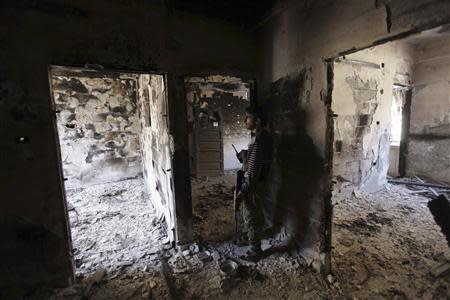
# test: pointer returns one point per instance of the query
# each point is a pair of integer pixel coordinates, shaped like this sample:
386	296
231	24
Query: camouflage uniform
253	215
255	186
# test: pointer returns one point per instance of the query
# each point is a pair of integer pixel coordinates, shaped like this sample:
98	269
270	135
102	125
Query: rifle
239	182
237	153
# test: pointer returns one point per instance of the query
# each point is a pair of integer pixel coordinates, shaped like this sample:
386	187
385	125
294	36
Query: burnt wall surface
127	35
297	166
362	99
302	35
229	97
157	146
98	127
428	152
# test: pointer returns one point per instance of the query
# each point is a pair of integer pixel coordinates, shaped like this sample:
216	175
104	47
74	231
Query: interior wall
229	96
362	99
298	37
137	35
429	134
157	146
98	127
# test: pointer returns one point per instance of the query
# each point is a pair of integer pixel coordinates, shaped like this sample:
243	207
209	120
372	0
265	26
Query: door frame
79	70
328	64
406	120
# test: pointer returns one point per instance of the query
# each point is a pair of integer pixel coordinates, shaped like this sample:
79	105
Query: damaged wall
98	126
157	146
428	153
229	96
362	99
298	37
136	35
297	166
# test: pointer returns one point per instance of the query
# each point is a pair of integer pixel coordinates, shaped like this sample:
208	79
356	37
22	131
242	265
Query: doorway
400	118
216	108
390	96
115	156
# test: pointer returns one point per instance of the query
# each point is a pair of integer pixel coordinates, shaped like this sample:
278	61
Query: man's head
254	118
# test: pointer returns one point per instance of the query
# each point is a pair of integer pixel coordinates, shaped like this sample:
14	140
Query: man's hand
241	156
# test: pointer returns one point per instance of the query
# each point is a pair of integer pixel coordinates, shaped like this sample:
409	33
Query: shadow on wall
297	170
39	247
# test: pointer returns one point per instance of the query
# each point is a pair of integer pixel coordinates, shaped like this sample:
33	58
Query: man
253	189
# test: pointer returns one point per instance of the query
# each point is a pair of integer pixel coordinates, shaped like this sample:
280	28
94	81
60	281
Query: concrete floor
386	246
114	226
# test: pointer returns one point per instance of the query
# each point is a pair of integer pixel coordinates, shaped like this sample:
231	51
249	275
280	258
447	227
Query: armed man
252	190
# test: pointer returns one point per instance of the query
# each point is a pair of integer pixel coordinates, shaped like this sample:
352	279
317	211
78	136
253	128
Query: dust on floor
212	203
114	226
386	246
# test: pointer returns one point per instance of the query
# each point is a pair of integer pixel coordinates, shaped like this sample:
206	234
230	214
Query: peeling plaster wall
129	35
297	37
229	96
157	146
428	153
98	128
362	99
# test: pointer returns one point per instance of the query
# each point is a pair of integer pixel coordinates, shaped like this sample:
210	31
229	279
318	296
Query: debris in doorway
420	183
114	193
212	201
114	227
386	244
387	256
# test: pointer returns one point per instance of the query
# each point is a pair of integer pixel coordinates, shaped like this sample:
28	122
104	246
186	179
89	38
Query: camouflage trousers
252	214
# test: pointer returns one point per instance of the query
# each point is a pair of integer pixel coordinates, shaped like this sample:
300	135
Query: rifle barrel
234	148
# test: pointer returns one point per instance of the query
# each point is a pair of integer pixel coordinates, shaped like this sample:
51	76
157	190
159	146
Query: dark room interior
199	149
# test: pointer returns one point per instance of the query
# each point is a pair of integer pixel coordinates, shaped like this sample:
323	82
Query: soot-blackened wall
362	99
157	146
133	35
98	126
429	133
299	37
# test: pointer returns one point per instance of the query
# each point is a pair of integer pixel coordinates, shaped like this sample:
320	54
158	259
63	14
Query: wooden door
209	144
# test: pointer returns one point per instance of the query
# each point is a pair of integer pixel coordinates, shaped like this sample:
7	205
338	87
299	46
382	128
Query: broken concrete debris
364	215
410	182
114	227
204	257
372	242
441	269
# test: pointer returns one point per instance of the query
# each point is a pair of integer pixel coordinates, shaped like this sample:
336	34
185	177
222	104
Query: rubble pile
212	201
114	226
385	246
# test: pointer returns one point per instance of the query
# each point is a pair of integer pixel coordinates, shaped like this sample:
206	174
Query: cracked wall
362	99
229	97
98	127
428	153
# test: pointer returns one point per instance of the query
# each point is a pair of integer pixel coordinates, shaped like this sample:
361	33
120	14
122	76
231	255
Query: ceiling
246	13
